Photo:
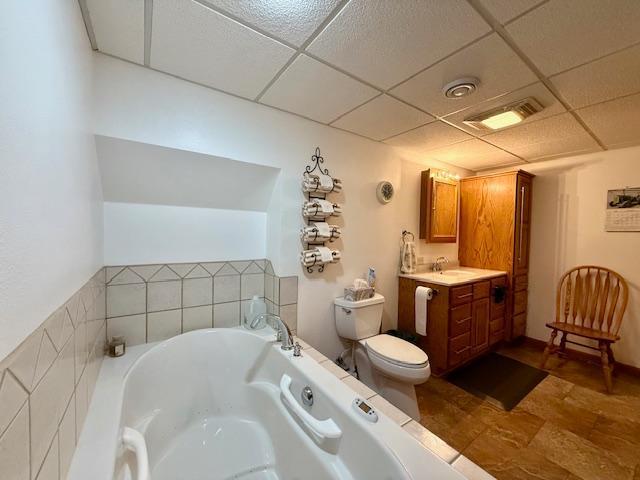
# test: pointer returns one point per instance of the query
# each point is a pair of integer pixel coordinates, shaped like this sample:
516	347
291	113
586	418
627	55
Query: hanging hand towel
324	230
408	260
325	205
326	183
423	294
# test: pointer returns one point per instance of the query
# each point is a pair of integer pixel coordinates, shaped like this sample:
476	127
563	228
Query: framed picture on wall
623	210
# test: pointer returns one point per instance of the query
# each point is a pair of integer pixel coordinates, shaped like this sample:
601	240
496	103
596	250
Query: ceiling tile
505	10
607	78
473	154
554	136
119	27
291	21
384	42
429	137
615	123
382	118
555	34
497	67
314	90
538	91
198	44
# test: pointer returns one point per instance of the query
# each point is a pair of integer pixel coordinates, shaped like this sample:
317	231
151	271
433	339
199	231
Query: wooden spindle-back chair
590	303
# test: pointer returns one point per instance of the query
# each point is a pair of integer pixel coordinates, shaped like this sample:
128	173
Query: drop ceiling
376	68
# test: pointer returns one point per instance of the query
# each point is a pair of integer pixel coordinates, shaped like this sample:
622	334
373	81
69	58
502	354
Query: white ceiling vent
505	116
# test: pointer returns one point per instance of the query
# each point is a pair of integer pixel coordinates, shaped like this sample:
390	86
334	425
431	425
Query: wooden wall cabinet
438	209
495	213
464	321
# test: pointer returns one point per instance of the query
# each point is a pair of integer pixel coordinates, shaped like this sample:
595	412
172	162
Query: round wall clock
384	191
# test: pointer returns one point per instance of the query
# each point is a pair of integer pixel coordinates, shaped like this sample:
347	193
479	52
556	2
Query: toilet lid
397	351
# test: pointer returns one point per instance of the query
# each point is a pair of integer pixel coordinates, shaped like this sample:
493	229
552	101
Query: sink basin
457	273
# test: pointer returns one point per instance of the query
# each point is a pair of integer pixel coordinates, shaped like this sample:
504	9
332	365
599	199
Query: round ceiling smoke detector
461	87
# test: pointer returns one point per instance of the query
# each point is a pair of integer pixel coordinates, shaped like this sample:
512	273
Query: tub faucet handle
297	350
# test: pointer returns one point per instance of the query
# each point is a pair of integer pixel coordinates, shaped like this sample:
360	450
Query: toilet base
401	394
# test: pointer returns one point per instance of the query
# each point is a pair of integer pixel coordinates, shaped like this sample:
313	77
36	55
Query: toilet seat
398	359
396	351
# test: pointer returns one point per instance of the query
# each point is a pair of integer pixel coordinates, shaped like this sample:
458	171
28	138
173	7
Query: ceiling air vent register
505	116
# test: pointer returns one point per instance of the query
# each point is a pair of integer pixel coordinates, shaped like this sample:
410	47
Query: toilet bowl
388	365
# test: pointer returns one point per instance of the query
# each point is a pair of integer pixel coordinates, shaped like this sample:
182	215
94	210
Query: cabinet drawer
481	290
521	282
460	295
459	349
497	310
519	325
460	320
495	337
520	302
496	325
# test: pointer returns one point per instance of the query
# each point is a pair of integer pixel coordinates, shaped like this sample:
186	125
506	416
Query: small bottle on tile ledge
116	347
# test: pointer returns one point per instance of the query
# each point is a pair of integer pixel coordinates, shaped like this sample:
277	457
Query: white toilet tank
361	319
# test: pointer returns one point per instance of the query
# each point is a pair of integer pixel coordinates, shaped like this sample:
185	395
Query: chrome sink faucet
437	265
284	333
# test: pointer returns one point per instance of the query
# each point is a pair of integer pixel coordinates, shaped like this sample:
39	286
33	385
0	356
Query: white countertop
454	276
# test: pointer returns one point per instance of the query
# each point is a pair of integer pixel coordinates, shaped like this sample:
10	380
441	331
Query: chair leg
548	349
606	369
563	343
612	360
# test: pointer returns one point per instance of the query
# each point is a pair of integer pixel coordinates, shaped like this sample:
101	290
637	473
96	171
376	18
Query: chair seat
584	331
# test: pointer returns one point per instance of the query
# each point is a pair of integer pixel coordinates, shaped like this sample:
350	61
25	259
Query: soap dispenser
256	307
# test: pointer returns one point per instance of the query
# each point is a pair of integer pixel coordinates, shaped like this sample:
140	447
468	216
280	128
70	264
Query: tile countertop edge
479	274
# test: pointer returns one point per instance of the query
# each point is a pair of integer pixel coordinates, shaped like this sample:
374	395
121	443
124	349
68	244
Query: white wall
146	106
568	215
50	198
138	233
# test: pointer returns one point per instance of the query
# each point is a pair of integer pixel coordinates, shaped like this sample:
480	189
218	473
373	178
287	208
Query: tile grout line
148	29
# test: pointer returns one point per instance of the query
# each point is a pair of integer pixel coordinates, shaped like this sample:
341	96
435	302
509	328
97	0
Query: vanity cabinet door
480	324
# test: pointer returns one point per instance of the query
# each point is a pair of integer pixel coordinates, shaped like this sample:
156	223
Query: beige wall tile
81	405
47	404
431	441
289	315
126	299
357	386
389	410
67	437
163	325
164	296
470	470
197	291
195	318
12	397
226	288
133	328
333	368
252	284
14	447
50	467
226	314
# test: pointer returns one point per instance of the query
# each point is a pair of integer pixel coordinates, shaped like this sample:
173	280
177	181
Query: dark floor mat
500	380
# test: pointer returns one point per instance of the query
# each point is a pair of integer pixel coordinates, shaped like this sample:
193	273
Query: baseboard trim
583	356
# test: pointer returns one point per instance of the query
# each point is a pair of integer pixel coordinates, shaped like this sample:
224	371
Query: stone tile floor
567	428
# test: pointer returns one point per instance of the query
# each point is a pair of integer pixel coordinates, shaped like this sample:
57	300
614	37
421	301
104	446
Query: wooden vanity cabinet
495	212
463	321
438	209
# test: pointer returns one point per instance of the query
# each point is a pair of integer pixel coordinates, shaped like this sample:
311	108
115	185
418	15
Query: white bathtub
225	404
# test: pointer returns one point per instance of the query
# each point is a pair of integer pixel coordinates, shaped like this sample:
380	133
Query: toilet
389	365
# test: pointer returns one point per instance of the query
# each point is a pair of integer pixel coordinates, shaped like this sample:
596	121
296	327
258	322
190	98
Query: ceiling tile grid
198	44
554	136
488	60
431	136
377	68
381	118
616	123
290	21
118	26
314	90
385	42
610	77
